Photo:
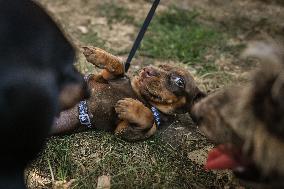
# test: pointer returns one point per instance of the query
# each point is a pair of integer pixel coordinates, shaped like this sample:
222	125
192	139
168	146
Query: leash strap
141	34
156	115
84	117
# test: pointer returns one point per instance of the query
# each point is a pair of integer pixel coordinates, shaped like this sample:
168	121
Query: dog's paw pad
104	60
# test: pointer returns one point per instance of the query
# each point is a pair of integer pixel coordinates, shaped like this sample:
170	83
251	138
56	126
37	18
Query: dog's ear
268	100
199	95
267	89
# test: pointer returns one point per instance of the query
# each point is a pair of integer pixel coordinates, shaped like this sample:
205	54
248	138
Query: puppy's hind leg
112	66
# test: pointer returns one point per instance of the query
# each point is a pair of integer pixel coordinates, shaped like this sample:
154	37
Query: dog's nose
150	72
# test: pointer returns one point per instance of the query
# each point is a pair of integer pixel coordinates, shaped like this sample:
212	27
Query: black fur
36	62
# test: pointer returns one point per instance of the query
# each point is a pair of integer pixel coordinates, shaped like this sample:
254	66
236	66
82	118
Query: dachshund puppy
248	122
131	108
38	80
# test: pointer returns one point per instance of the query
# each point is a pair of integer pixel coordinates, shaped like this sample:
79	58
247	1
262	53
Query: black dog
38	80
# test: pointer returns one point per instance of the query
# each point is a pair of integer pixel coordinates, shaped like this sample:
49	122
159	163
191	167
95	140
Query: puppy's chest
104	97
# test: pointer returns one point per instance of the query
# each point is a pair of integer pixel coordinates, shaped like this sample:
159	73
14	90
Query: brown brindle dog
130	108
248	122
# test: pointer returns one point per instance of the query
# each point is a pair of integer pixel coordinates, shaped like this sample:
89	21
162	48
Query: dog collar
84	117
156	115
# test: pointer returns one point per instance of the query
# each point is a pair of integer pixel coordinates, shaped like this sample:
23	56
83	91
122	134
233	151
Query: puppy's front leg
138	122
112	66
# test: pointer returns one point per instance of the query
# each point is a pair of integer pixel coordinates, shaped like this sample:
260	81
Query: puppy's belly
104	97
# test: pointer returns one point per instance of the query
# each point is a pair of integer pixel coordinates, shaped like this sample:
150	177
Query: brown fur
251	117
122	105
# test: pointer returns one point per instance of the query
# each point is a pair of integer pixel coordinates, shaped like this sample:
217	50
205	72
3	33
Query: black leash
141	34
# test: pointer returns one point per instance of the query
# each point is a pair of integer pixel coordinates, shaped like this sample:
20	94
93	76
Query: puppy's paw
128	109
129	133
95	78
104	60
135	112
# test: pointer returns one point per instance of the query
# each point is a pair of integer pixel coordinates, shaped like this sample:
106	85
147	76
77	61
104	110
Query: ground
204	36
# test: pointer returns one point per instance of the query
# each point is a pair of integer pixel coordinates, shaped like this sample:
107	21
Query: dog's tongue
221	157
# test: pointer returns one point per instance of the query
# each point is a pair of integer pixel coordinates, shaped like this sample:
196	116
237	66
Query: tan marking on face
171	107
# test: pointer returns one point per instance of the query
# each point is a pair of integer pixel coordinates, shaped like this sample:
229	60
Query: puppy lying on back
132	109
37	75
248	121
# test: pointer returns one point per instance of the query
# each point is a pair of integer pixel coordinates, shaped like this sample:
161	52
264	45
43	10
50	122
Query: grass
115	13
92	38
150	164
58	160
177	35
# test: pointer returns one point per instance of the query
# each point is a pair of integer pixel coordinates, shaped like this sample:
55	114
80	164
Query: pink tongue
219	158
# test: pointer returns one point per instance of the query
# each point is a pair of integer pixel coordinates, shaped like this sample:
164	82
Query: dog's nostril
148	73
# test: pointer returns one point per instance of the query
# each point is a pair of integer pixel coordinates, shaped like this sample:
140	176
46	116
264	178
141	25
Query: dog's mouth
153	85
144	78
147	73
228	156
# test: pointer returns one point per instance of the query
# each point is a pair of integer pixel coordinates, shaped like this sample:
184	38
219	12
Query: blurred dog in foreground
131	108
38	80
248	121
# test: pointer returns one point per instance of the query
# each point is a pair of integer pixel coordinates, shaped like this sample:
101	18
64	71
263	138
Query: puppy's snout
150	72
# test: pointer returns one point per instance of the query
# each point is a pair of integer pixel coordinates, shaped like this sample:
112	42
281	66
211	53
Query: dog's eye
178	81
